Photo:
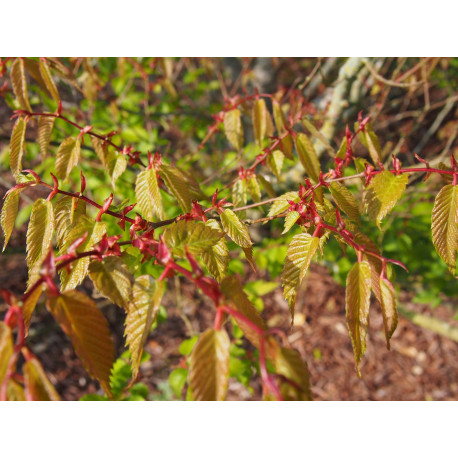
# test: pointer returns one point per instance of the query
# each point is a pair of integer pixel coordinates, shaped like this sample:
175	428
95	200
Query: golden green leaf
281	204
344	200
298	258
146	298
6	349
267	186
216	257
112	279
209	360
67	157
382	194
370	140
290	220
235	229
233	128
67	211
253	187
444	225
20	84
116	166
259	117
148	196
275	162
88	330
239	194
308	156
194	235
45	127
289	364
17	146
29	305
314	132
286	144
100	149
47	78
389	309
9	212
14	391
357	298
36	383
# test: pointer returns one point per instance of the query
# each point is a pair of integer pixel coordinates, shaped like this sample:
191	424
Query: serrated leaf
45	127
344	200
209	360
67	211
259	121
267	186
67	157
89	332
444	225
308	156
116	166
112	279
216	257
33	68
389	309
39	236
194	235
370	140
238	300
148	196
17	146
47	78
286	144
253	187
281	204
235	229
146	298
19	84
289	364
181	185
298	258
382	194
233	128
36	383
239	193
29	305
78	269
6	349
314	132
9	212
100	149
341	152
275	162
14	391
357	299
290	220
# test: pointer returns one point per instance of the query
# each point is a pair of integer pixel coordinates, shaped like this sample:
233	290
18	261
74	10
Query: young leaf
146	298
45	127
290	220
17	146
67	211
357	297
370	140
194	235
47	78
67	157
444	225
275	162
20	84
116	166
6	349
308	156
233	128
259	116
253	187
36	383
148	196
344	200
389	310
39	235
238	300
209	360
235	229
112	279
314	132
216	257
289	364
29	305
94	232
14	391
286	144
382	194
267	186
281	204
298	258
9	212
100	149
88	330
239	194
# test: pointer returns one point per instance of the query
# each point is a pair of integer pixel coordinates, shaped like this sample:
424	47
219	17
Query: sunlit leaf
148	196
259	116
314	132
67	211
275	162
209	360
253	187
100	149
216	257
142	310
67	157
17	146
233	128
9	212
6	349
235	229
112	279
88	330
20	84
45	127
29	305
344	200
308	156
281	204
47	78
36	383
389	309
286	144
14	391
357	295
116	166
290	220
444	224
